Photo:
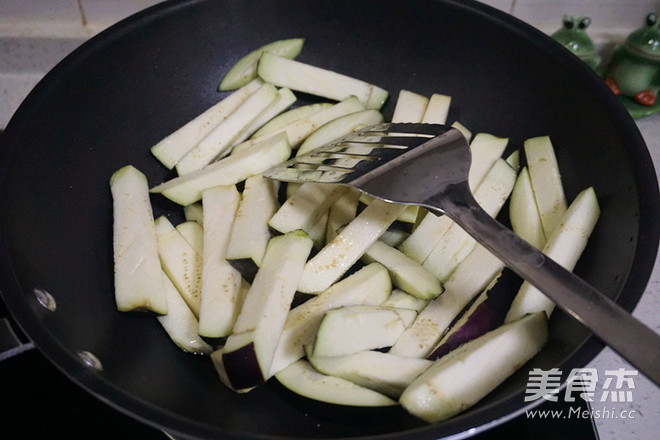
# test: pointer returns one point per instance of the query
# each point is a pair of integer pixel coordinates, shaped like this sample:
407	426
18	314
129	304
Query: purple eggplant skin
487	316
242	367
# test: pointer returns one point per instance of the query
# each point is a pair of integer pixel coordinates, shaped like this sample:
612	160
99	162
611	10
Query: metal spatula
428	165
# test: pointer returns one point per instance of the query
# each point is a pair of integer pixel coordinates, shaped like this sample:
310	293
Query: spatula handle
633	340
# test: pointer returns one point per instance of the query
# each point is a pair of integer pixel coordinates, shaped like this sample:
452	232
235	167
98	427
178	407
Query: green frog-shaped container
634	71
573	36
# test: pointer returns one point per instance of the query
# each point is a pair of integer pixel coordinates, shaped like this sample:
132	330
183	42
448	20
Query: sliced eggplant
290	116
249	350
564	246
250	233
305	207
410	107
193	233
459	380
301	378
486	313
406	273
233	169
174	146
486	149
180	323
342	212
369	285
403	300
385	373
181	262
314	80
523	212
546	181
468	280
354	328
245	69
221	283
456	244
137	269
220	139
298	130
437	109
331	262
339	127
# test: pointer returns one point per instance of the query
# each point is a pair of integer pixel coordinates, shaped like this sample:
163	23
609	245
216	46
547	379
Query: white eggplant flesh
456	244
354	328
463	129
181	262
437	109
410	107
285	98
370	285
523	212
137	271
222	299
284	119
513	160
404	300
486	149
394	237
406	273
233	169
174	146
180	323
305	207
245	69
249	350
470	277
317	231
298	130
317	81
331	262
385	373
342	212
301	378
221	138
409	215
339	127
250	233
564	246
193	233
194	212
457	381
221	283
546	181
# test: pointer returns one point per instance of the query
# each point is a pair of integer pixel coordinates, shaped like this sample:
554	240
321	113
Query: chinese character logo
623	385
543	384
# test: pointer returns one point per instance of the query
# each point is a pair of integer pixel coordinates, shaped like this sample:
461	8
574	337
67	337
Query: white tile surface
99	14
30	11
606	15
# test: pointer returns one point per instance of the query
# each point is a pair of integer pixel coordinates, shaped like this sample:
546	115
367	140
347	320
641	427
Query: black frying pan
114	97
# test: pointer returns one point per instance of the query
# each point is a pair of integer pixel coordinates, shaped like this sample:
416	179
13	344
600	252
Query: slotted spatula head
404	163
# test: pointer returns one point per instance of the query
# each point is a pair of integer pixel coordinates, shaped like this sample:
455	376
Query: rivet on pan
90	360
45	299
